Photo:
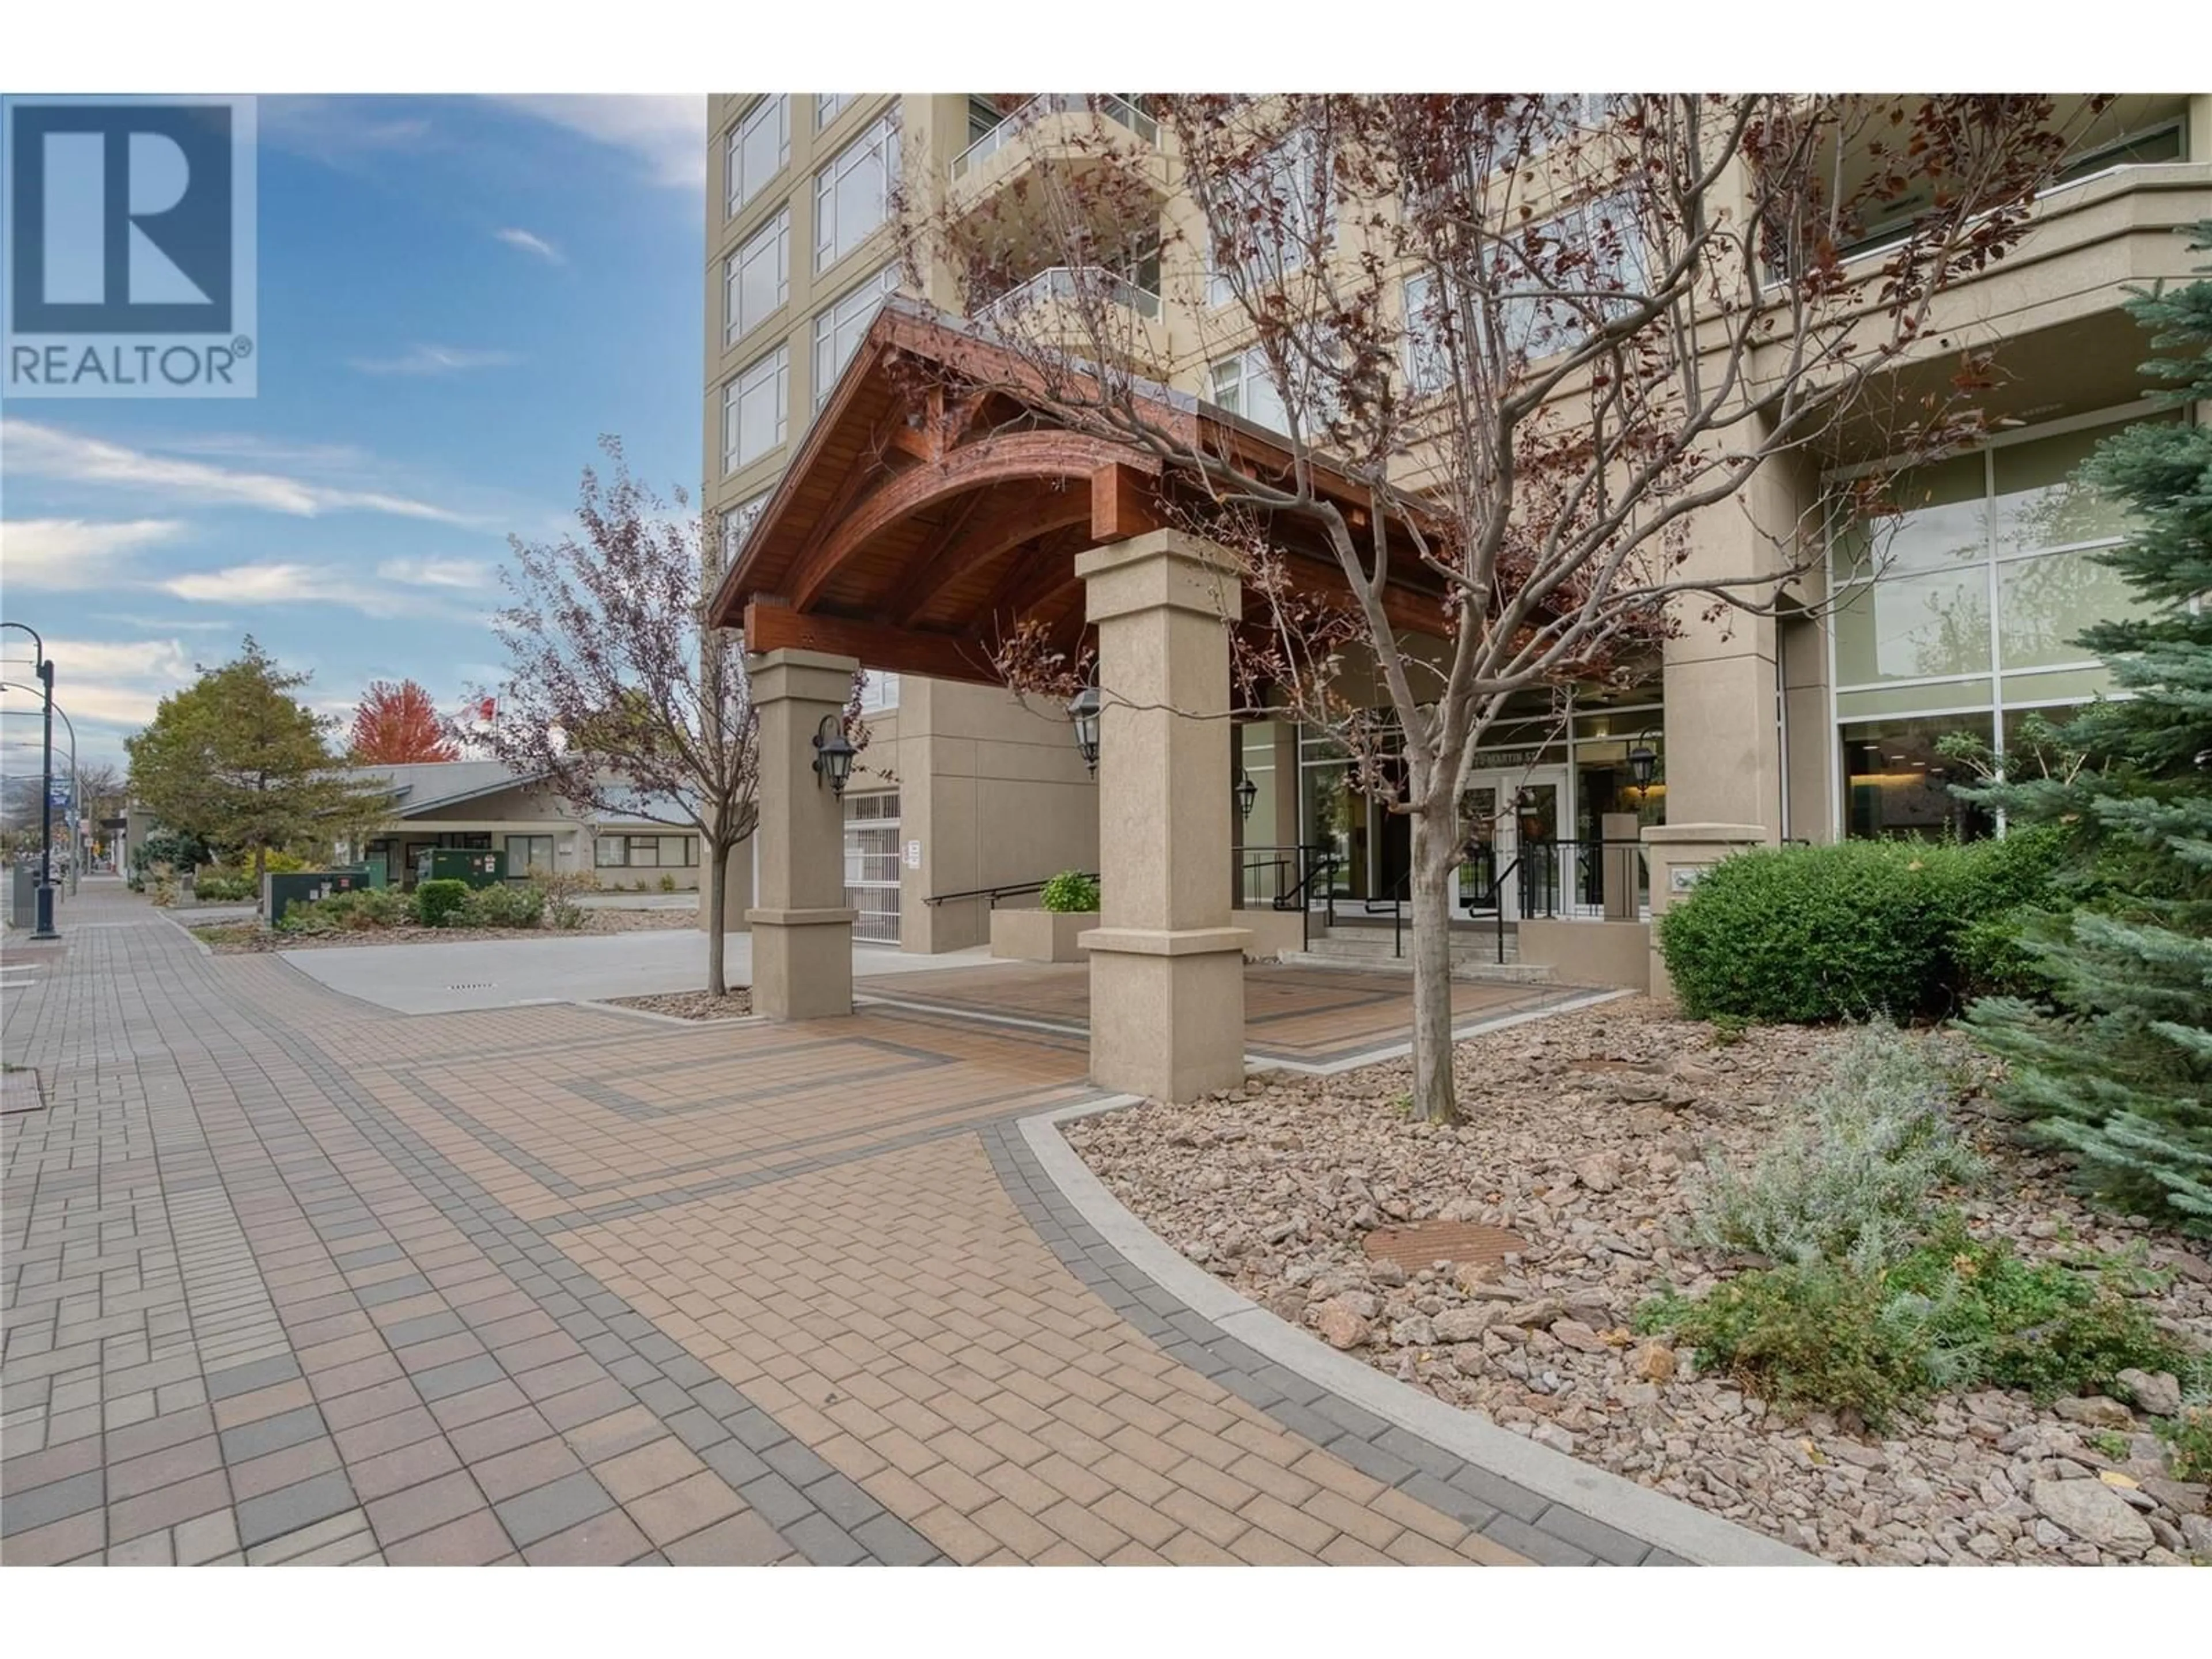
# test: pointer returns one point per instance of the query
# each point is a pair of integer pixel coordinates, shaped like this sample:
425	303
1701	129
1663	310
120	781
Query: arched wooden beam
985	538
1033	577
1002	459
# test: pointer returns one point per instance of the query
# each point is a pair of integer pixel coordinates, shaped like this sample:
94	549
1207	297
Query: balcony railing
1109	105
1069	282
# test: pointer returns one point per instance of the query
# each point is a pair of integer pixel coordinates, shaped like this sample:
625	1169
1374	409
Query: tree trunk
718	876
260	870
1436	850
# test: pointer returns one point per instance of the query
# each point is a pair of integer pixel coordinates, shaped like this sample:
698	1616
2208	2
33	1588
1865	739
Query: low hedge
440	904
1858	928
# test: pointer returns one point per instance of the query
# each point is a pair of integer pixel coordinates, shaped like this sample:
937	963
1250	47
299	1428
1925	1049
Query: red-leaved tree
398	725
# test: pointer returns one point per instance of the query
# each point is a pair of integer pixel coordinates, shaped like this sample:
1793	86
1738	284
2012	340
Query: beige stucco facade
1745	711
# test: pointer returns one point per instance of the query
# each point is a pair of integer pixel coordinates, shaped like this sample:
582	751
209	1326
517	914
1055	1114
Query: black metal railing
1547	879
1289	878
1010	889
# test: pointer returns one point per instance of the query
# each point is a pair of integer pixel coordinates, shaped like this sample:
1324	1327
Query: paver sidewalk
291	1278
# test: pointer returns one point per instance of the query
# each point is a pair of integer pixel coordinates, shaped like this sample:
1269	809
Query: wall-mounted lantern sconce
1642	762
1083	709
1247	795
833	753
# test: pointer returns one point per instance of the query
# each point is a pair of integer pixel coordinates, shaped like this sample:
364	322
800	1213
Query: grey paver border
1666	1523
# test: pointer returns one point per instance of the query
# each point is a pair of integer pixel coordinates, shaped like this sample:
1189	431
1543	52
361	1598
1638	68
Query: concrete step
1469	968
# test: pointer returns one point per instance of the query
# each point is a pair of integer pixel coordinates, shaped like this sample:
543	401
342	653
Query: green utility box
279	893
478	869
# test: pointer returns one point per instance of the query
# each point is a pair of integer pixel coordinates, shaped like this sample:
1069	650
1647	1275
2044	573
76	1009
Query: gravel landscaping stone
1585	1135
693	1004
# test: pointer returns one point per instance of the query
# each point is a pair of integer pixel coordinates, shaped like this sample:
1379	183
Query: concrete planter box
1040	935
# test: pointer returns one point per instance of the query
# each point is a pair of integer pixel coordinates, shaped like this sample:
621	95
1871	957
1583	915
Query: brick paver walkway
288	1278
1306	1016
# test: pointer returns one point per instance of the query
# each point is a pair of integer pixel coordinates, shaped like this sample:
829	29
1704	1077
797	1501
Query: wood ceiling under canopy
924	516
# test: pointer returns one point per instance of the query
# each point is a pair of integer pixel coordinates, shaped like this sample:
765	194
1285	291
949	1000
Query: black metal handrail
1008	891
1316	868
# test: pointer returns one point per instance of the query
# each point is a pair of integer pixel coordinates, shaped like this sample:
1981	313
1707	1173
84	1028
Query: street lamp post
75	779
45	930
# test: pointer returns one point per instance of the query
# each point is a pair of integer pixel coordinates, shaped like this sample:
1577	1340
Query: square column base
802	964
1167	1011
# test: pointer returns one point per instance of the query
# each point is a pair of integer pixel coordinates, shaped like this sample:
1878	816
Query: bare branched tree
1549	342
617	698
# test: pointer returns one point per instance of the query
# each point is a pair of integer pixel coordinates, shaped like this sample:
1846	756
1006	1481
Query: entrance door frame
1503	836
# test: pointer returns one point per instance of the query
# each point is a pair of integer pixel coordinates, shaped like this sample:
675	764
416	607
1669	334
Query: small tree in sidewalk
1537	338
618	697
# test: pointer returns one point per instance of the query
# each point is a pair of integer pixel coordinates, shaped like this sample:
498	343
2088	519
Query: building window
754	406
759	147
837	331
871	865
529	855
756	279
738	523
644	852
1428	365
1285	195
1245	384
879	690
1549	299
829	106
852	194
1956	603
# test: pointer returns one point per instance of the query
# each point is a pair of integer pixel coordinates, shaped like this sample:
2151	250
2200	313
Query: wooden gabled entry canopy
929	510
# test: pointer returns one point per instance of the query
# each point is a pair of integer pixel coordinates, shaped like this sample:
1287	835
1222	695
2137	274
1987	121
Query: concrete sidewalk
440	979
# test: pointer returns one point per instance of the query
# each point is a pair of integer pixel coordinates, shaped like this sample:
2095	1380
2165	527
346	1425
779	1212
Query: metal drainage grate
473	985
1457	1241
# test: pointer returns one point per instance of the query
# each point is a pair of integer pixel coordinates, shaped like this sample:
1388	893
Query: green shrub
668	884
223	886
2191	1437
1071	892
559	889
1955	1312
1853	1176
2046	1327
440	903
362	910
1805	1335
1843	931
503	905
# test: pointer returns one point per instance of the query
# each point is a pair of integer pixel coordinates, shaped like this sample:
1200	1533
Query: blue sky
456	297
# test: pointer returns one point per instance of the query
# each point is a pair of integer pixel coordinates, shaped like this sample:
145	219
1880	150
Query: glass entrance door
1510	822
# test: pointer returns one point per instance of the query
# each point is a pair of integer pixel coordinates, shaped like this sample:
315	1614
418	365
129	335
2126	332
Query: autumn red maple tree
398	725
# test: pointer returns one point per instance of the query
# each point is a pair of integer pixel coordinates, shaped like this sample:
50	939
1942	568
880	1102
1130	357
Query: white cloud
211	625
71	553
286	582
341	132
436	573
668	131
109	682
36	450
434	360
513	236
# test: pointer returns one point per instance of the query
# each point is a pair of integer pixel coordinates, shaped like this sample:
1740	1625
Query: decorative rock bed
1582	1134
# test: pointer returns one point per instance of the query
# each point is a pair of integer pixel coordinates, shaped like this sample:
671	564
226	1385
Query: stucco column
1167	971
802	929
1678	854
736	888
